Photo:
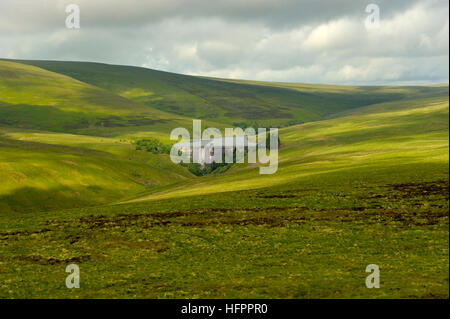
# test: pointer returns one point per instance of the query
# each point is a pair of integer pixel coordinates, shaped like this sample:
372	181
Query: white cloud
302	41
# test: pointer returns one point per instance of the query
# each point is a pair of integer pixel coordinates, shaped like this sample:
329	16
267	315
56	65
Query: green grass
367	186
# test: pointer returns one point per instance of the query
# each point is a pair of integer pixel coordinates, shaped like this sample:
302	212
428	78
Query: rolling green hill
31	97
50	171
245	102
363	180
377	137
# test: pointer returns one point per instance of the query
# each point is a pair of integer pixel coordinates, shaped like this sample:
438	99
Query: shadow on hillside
29	199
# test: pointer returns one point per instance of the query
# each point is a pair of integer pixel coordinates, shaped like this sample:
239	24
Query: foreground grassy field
310	239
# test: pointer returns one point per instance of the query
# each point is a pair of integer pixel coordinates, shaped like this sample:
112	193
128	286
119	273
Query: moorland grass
367	188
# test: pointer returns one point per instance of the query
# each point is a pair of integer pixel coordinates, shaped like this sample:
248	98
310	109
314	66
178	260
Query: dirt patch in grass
278	196
41	260
269	216
439	188
157	246
414	192
7	235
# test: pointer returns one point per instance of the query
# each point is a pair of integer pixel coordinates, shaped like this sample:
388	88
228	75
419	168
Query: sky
310	41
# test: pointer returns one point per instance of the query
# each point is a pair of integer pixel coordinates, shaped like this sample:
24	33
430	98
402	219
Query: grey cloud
21	15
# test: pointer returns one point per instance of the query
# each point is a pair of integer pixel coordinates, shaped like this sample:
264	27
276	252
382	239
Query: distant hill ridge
235	102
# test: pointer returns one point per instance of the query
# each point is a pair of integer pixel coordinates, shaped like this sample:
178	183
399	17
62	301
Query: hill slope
31	97
49	171
377	137
229	101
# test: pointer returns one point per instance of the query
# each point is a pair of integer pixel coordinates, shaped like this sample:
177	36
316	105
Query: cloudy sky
315	41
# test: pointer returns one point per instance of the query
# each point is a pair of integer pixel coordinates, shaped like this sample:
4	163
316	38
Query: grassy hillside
44	168
376	137
48	171
245	102
31	97
368	187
